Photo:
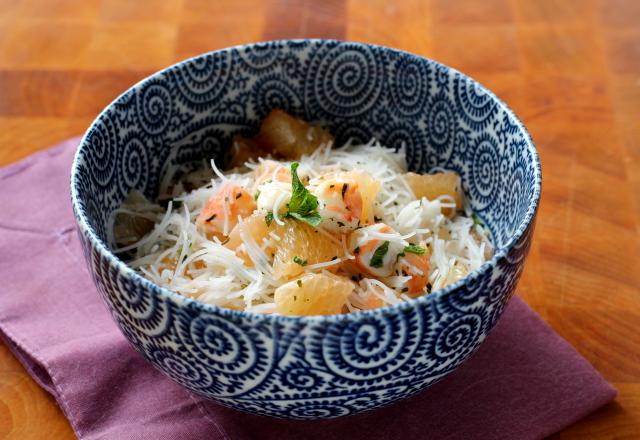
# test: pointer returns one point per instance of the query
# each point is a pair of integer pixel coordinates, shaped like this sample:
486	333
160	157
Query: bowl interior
189	111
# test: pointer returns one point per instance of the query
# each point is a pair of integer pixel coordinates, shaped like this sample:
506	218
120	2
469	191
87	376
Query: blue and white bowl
325	366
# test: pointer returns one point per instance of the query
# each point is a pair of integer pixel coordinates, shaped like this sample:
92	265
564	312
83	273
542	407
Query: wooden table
569	68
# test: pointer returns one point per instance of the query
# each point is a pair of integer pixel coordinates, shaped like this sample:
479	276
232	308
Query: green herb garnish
299	283
299	261
313	218
303	204
378	255
257	195
476	220
419	250
268	218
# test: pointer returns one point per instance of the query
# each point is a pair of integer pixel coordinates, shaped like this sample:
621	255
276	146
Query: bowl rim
87	231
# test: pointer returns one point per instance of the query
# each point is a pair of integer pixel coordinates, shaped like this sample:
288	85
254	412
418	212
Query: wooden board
569	68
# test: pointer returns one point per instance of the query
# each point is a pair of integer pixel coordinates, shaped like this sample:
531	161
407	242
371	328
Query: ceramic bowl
309	367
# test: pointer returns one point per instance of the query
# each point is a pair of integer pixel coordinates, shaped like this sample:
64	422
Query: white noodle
179	255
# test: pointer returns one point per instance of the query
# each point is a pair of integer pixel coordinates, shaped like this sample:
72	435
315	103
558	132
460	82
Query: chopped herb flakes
299	261
419	250
268	218
378	255
299	283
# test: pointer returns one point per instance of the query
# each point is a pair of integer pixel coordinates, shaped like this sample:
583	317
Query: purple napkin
525	382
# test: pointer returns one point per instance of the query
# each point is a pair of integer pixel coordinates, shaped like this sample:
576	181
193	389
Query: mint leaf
415	249
313	219
268	218
378	255
302	204
302	201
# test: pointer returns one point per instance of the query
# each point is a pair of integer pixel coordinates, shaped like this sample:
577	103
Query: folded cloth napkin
525	382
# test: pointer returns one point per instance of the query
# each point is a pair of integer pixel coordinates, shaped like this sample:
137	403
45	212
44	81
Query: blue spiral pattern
301	377
441	128
317	410
409	86
403	134
343	81
134	169
272	92
102	137
470	296
291	66
226	349
201	83
320	367
353	133
456	336
477	106
138	307
484	175
367	349
182	370
154	107
258	58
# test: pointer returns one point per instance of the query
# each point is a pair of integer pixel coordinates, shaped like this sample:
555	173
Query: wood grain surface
569	68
